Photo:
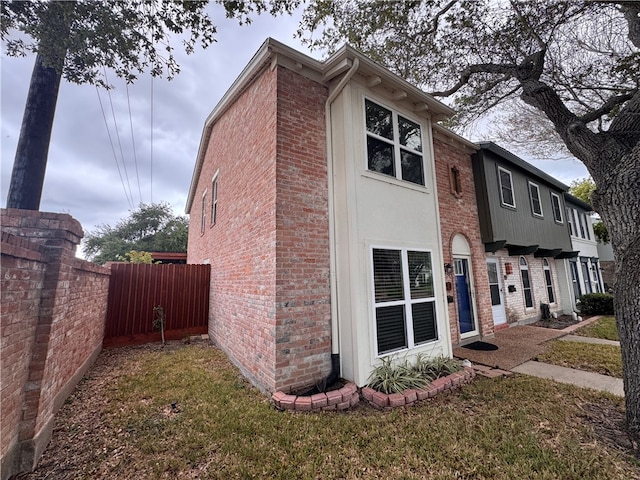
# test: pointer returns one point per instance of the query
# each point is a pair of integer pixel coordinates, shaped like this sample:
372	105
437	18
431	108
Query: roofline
519	162
334	66
576	201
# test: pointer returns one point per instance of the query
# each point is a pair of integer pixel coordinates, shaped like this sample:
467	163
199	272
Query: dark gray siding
518	226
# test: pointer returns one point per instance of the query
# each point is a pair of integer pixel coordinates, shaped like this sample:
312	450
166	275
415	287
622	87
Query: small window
394	144
548	279
586	226
526	283
455	183
203	217
534	195
556	207
570	226
404	299
581	224
214	199
506	188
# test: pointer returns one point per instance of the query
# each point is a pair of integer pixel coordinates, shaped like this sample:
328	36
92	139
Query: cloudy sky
84	175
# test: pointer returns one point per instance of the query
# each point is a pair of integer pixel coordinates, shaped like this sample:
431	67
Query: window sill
394	181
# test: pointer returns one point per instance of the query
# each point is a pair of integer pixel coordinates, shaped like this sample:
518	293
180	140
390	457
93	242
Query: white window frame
537	189
203	215
397	146
214	199
570	222
530	288
407	301
546	267
513	193
553	208
586	226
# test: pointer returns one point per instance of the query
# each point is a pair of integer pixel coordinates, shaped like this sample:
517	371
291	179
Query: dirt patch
560	323
609	423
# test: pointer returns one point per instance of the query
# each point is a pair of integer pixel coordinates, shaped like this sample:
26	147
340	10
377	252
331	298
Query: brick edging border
348	396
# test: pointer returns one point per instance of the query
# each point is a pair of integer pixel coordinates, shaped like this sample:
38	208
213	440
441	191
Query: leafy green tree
75	40
577	63
583	189
150	228
135	256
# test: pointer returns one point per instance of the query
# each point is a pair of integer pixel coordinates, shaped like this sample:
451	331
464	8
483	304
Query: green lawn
604	359
602	328
120	424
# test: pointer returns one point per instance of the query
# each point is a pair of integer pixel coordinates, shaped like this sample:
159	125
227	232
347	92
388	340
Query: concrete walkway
599	341
572	376
575	377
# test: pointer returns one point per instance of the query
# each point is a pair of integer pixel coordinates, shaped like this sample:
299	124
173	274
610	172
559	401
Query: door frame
472	297
503	308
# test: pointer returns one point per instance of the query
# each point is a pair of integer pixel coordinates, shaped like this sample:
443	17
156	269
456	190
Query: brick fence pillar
57	236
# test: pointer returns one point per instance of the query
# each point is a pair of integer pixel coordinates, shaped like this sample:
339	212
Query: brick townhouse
339	219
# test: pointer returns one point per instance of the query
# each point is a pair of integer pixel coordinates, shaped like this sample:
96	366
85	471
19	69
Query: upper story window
203	216
581	223
572	229
506	188
214	199
394	144
586	226
534	196
556	207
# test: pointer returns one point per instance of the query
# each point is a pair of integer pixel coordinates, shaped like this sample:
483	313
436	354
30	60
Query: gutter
335	340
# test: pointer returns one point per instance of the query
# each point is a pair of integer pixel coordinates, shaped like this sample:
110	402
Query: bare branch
607	107
509	70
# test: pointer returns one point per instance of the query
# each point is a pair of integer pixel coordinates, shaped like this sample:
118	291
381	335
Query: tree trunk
618	202
27	177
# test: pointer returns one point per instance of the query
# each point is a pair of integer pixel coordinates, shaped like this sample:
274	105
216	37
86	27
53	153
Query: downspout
335	340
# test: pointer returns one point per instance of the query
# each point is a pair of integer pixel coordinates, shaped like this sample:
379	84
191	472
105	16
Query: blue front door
463	295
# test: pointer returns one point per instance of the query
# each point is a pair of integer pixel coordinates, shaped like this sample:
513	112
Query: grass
221	427
604	328
604	359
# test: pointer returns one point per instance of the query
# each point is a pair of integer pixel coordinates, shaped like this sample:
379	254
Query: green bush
395	378
596	304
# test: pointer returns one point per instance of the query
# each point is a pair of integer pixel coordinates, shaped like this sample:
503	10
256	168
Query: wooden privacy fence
135	289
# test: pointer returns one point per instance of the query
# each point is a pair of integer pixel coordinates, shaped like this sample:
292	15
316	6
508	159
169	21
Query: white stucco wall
373	209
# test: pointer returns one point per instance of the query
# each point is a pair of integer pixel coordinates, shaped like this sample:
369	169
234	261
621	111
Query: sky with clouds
85	179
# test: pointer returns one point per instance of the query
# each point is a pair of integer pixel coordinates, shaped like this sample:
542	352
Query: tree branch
631	12
433	28
607	107
507	69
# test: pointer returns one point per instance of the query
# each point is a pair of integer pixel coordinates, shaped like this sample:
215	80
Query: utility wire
115	123
151	159
115	157
133	143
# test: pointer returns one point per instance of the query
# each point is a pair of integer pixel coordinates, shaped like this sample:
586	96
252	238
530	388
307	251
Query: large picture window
394	144
404	299
506	188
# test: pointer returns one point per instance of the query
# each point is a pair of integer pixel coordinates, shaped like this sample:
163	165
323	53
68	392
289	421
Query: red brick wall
269	304
459	215
53	313
303	297
241	246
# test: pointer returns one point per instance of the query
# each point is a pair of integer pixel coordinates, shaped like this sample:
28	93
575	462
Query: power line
151	159
133	143
115	123
115	157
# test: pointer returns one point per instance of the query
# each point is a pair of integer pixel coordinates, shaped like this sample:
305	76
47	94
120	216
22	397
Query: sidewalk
517	346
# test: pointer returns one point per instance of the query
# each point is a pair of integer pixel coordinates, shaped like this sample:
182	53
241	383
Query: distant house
584	269
524	231
339	220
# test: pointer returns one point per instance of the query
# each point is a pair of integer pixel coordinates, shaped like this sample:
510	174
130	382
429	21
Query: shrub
390	378
596	304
